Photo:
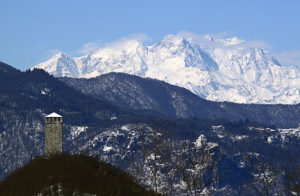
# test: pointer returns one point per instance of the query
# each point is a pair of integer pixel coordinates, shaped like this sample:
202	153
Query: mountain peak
213	68
60	65
60	55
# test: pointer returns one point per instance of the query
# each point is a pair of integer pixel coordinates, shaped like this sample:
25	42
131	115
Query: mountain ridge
176	102
213	68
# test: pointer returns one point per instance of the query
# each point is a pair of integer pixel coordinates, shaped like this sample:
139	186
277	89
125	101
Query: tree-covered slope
149	94
70	175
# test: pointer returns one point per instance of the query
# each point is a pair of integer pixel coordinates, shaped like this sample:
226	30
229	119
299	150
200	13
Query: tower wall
53	135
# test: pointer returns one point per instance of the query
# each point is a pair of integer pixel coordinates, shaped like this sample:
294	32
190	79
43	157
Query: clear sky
32	30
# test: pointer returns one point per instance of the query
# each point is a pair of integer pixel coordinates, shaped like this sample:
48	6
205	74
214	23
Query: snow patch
125	128
76	130
107	148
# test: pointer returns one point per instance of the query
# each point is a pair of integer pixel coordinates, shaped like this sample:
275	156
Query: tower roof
53	115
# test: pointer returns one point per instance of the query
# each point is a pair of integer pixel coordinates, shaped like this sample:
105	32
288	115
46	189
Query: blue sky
33	30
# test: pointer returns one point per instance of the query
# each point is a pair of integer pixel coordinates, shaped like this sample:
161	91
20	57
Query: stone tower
53	134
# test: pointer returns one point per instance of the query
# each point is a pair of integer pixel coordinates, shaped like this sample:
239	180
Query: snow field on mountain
215	69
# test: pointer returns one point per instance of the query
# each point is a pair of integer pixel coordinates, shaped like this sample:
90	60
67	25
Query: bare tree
153	155
196	167
292	174
266	176
169	163
293	181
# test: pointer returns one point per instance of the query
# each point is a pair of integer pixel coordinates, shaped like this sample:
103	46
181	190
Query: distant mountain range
215	69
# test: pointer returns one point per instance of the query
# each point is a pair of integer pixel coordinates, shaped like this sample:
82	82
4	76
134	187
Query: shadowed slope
173	101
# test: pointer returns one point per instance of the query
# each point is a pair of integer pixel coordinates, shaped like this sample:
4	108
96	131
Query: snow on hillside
213	68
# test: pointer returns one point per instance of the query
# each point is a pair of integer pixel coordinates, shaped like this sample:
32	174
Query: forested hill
150	94
70	175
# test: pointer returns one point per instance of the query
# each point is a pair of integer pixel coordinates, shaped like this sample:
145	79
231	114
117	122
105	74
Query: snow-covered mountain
213	68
